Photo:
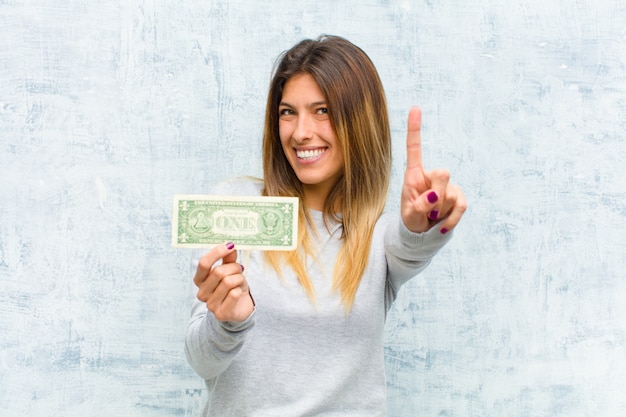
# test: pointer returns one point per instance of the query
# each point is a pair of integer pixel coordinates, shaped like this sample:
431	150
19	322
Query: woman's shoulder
387	217
239	186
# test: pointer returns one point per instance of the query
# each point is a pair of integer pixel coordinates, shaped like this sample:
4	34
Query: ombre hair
357	110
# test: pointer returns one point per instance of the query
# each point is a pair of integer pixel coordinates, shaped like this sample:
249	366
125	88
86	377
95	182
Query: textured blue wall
108	108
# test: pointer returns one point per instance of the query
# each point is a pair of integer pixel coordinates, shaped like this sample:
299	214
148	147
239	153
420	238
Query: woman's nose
303	129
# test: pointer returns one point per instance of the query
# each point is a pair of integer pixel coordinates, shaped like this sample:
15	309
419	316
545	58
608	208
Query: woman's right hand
223	287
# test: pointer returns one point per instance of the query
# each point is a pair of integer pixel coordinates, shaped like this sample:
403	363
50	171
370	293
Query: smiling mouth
309	154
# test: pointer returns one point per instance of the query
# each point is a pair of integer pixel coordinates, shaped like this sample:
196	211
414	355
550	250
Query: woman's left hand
427	196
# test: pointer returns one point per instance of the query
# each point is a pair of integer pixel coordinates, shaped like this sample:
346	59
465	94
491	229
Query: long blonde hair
358	113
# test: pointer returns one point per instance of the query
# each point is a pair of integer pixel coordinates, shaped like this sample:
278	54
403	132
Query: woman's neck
315	198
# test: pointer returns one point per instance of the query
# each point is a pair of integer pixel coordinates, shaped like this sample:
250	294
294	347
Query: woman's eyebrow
310	105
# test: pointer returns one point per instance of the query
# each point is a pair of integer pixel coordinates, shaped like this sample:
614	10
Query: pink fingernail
432	197
230	245
444	231
433	215
242	268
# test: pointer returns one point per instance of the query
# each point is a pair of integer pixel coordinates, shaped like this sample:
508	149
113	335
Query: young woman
310	342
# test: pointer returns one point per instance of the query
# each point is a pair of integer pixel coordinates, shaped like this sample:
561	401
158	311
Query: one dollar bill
263	223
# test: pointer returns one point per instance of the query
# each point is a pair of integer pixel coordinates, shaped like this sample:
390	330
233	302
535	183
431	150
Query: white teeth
309	154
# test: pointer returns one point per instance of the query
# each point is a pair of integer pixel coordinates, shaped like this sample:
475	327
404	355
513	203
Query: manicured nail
242	268
433	215
230	245
444	231
432	197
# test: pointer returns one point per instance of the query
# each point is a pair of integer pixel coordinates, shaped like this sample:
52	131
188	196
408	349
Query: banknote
263	223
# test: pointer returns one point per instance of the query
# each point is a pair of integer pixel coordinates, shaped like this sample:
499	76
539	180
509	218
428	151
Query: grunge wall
108	108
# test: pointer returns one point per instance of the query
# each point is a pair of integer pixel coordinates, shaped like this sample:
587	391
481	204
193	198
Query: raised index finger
414	139
205	265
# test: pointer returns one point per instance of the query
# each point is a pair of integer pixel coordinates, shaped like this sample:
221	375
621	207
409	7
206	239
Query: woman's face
308	139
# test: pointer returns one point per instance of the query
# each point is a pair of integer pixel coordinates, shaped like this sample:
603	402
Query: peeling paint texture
108	108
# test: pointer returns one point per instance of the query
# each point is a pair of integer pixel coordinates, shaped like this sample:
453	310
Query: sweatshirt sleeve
211	345
409	253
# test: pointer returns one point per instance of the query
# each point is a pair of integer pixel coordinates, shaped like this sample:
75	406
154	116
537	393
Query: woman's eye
322	110
285	112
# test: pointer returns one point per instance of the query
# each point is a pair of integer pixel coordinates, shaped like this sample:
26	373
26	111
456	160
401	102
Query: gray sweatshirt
295	358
